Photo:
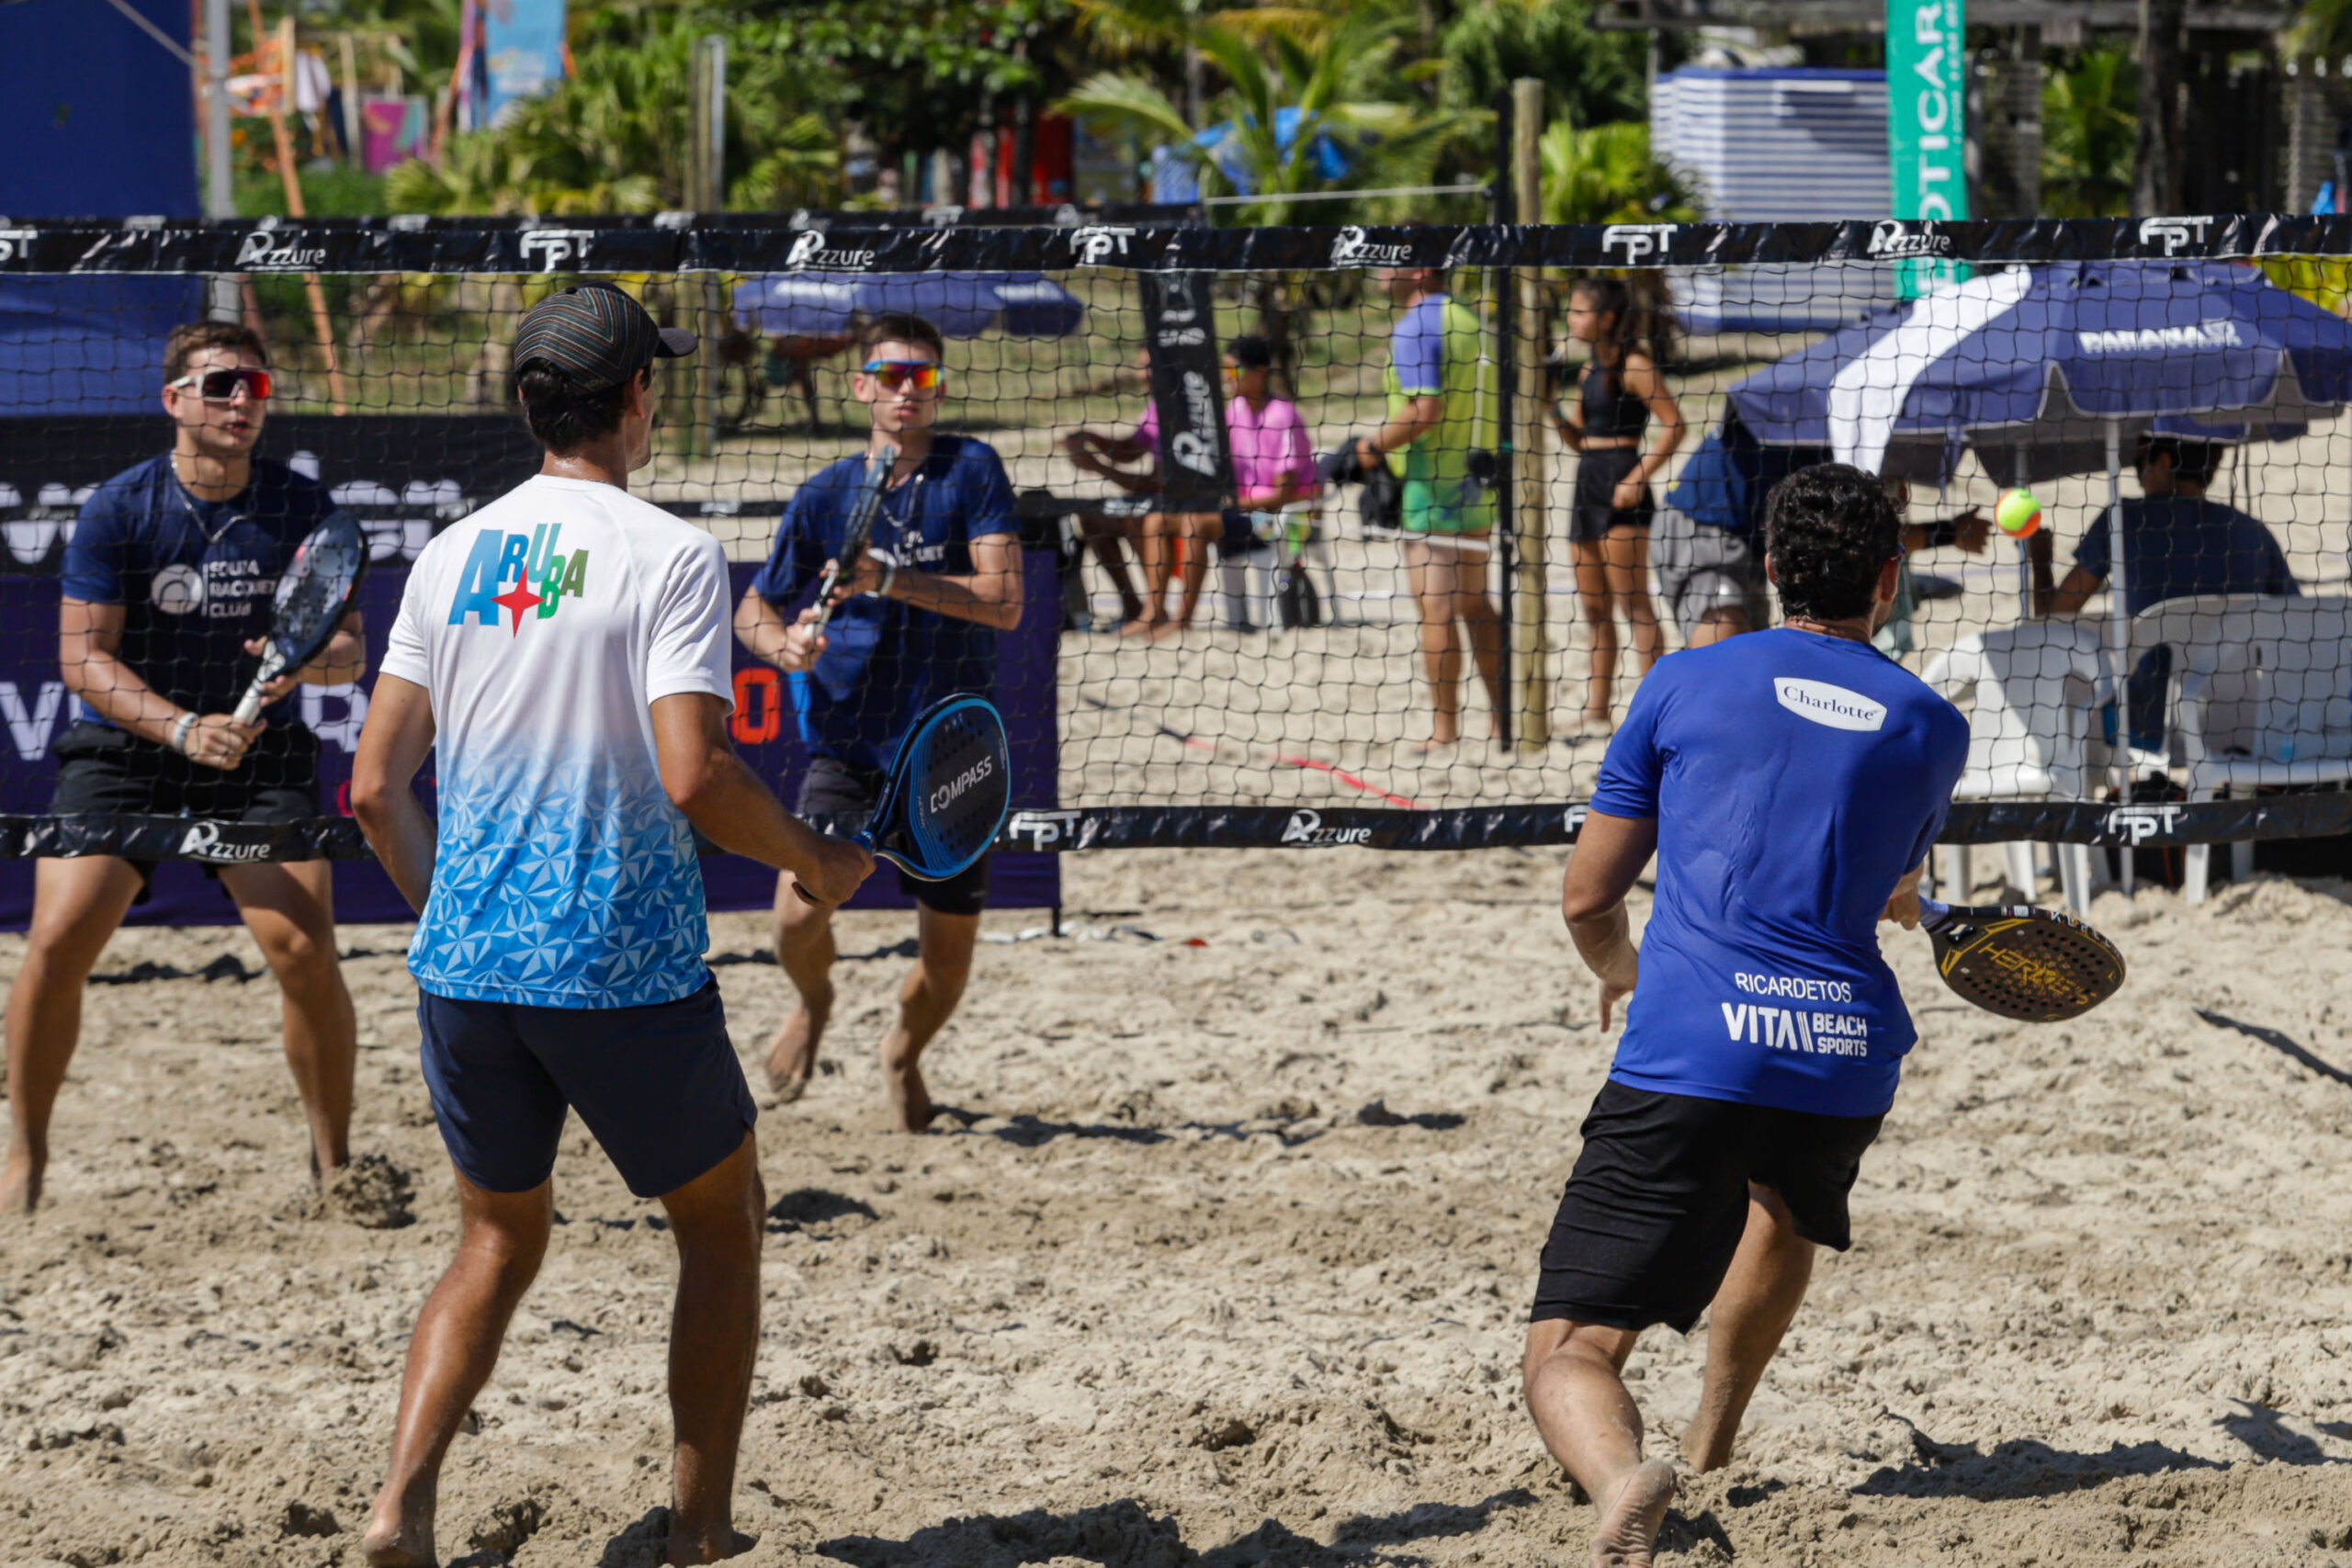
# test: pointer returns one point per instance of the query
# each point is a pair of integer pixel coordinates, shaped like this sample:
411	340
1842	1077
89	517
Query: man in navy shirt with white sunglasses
915	619
168	586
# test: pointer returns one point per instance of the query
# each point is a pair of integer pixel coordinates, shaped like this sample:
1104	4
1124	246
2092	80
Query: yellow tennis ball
2018	514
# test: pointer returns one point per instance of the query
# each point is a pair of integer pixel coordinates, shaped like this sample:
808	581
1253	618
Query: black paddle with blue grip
2036	965
314	593
946	794
860	528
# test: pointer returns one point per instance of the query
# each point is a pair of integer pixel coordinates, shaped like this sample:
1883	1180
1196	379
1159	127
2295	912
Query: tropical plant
2323	29
1267	151
615	136
1605	174
1588	75
2090	125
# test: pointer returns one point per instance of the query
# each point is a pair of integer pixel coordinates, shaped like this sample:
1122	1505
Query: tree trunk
2157	156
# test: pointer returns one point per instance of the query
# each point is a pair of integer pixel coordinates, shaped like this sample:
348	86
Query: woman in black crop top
1618	394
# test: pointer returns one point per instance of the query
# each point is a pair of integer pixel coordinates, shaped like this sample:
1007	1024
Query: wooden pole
1531	638
707	194
293	183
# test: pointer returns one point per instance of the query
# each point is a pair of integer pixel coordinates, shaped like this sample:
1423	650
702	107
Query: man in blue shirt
1790	783
916	619
168	587
2176	545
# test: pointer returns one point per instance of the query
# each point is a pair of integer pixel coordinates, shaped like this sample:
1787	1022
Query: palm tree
1604	174
1330	88
2089	129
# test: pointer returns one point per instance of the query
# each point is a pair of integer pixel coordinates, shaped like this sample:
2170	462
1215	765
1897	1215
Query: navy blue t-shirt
887	660
1794	779
195	578
2174	547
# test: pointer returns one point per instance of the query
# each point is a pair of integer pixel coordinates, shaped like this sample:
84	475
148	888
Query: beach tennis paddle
946	794
2036	965
861	527
313	594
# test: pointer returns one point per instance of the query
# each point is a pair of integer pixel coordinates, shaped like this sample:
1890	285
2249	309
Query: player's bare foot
1630	1521
1140	626
688	1549
1167	629
792	1055
910	1109
20	1184
399	1535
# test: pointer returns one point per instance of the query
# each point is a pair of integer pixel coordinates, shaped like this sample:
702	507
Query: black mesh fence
2119	447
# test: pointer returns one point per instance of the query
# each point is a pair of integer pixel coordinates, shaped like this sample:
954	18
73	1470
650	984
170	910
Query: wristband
889	575
1942	533
180	727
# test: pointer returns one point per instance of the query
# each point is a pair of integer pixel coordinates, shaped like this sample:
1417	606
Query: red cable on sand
1281	760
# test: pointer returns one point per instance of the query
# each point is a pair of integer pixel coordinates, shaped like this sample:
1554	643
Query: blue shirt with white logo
1794	779
888	661
195	578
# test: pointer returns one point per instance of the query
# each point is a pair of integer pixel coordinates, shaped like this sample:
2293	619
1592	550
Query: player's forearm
988	598
762	630
115	690
729	805
401	833
1605	942
343	660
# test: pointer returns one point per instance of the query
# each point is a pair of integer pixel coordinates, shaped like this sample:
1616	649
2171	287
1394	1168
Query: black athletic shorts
832	786
101	769
1655	1208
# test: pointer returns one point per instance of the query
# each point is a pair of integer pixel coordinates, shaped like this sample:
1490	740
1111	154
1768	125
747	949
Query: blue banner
522	52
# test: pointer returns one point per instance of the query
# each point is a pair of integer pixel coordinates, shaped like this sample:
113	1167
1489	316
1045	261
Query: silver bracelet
185	722
889	575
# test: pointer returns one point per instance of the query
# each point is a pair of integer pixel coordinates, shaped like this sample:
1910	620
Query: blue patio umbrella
2045	370
961	304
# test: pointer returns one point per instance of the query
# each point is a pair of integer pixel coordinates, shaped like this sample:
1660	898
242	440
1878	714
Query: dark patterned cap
597	334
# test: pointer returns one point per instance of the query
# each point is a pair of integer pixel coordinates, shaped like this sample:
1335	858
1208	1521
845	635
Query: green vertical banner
1926	125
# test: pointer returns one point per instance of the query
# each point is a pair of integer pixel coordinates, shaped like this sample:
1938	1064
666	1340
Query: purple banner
36	710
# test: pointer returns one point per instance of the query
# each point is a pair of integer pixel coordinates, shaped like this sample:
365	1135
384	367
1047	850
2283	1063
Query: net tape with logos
1299	707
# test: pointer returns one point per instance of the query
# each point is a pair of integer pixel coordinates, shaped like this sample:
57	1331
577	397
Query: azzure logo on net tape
553	247
2138	824
1353	248
264	251
1306	828
1892	238
1044	830
1637	240
808	251
202	842
2174	233
1095	243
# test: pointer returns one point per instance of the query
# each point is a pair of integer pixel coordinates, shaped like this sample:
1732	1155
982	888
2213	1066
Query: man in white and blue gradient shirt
565	650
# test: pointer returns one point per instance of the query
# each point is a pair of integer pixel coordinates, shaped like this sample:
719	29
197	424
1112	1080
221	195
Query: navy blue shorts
658	1087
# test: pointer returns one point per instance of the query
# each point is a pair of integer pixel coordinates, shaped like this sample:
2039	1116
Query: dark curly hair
1830	530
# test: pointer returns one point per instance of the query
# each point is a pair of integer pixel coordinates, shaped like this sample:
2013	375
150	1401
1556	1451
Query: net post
1530	651
707	194
221	302
1498	295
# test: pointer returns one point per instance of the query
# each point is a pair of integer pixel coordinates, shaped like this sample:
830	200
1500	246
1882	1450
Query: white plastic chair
2036	687
1247	580
2261	694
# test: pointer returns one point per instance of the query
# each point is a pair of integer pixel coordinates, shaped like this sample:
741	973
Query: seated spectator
1273	466
2177	544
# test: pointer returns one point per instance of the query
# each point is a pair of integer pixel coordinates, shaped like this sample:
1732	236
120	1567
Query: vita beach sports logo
523	559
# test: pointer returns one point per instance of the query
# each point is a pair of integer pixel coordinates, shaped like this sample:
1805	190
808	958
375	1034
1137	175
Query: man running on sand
1789	782
915	619
566	648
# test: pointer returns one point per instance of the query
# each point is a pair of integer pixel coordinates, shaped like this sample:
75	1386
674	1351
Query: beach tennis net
1430	653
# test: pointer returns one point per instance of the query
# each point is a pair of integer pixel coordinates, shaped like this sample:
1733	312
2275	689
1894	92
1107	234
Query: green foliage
1340	88
1604	174
2323	28
338	191
1589	75
2089	120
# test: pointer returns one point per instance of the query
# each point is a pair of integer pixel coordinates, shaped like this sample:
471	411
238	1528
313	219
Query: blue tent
89	344
961	304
